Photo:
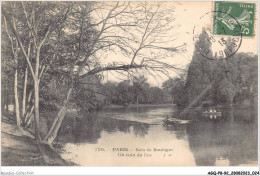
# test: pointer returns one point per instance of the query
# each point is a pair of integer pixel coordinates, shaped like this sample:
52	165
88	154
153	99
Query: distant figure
167	118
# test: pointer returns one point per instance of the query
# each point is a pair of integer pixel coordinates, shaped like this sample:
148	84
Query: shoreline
19	148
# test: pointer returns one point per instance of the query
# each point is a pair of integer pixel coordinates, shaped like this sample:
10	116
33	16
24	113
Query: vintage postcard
99	83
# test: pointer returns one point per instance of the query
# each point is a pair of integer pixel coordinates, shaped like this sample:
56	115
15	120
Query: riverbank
19	148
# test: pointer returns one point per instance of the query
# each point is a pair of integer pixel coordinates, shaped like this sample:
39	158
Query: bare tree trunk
29	96
28	103
16	99
24	93
28	117
52	133
28	109
54	124
36	109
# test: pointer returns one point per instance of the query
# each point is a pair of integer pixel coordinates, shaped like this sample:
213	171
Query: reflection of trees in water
77	130
180	134
178	129
245	114
141	129
235	139
88	129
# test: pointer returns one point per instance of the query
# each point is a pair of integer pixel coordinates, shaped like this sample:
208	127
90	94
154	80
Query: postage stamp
236	13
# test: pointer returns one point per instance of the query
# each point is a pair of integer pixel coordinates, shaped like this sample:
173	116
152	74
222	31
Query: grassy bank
19	148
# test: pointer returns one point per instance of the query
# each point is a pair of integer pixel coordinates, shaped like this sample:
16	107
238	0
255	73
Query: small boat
212	112
175	121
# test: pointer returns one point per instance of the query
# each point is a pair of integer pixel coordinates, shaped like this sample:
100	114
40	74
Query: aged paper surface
129	83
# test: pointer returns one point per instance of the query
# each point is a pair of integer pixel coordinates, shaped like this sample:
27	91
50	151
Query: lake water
228	140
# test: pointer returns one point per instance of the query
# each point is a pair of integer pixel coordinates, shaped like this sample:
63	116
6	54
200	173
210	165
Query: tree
175	87
64	41
248	76
14	53
140	88
36	20
243	76
156	95
219	81
200	72
168	86
134	32
88	96
110	89
124	93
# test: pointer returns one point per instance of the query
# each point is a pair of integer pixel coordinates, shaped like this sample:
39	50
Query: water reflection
141	129
227	140
232	141
87	129
178	129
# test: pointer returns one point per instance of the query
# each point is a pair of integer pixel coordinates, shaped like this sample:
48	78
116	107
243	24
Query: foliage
87	95
127	91
229	78
175	87
156	96
124	93
140	88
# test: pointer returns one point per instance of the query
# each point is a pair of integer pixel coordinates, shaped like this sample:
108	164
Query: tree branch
20	42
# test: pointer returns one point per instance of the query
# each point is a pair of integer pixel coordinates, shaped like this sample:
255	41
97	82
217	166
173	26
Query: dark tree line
216	82
137	91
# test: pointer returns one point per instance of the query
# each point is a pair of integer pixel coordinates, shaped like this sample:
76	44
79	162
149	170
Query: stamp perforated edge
255	17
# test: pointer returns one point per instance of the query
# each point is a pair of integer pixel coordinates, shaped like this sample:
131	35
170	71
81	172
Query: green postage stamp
234	18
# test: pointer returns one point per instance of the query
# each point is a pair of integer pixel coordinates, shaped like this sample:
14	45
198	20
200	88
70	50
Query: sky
187	15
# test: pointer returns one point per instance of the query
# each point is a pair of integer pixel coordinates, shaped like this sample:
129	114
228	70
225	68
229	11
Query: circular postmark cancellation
221	44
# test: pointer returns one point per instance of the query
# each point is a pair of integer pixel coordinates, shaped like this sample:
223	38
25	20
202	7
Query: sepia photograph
129	83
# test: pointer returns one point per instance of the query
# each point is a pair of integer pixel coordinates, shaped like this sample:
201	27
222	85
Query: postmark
244	13
219	46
